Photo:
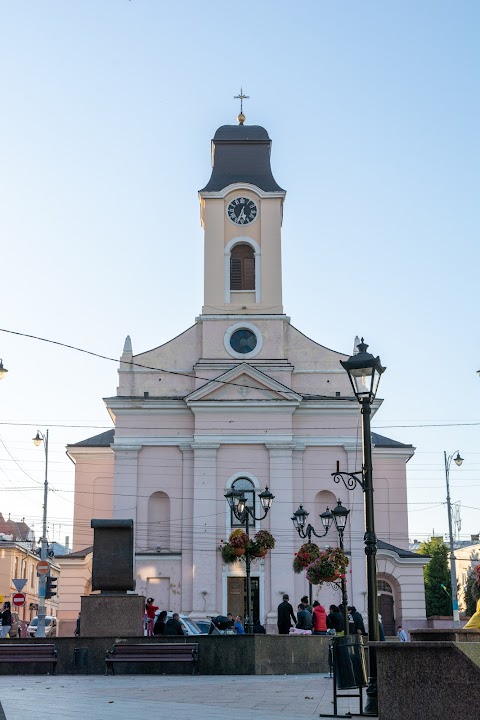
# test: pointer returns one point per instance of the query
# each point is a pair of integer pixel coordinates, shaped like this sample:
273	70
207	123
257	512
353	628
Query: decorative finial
241	97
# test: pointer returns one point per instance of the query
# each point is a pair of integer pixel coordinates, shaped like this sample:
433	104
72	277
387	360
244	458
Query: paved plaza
177	697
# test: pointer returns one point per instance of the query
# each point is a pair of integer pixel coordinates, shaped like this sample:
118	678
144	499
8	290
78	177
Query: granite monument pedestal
112	615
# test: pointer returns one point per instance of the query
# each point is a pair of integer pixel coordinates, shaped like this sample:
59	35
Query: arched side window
248	488
158	533
242	267
243	270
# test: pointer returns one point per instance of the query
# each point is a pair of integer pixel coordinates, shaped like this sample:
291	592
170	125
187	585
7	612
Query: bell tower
241	210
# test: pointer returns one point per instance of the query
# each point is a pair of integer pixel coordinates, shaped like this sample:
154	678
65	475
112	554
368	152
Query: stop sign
18	599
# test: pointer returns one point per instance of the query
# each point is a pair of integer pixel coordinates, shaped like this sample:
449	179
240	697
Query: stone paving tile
178	697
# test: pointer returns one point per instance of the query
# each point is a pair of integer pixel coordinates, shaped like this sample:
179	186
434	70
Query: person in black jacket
355	622
284	613
335	620
174	626
159	627
304	618
6	618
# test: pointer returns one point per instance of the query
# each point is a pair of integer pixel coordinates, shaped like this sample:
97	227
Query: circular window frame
243	326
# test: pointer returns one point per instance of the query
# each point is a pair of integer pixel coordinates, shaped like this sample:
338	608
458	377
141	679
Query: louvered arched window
242	267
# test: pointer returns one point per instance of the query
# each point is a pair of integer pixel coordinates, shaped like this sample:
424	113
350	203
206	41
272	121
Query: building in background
242	399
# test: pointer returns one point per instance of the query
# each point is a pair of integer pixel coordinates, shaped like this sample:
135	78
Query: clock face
242	211
243	341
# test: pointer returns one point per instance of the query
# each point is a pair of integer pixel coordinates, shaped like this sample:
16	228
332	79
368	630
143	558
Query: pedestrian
319	619
304	618
284	613
77	626
6	618
308	607
174	626
355	622
474	622
150	610
381	633
238	626
401	634
258	628
335	620
159	627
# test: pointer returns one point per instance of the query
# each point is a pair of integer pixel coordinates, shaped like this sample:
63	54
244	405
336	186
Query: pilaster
204	554
125	483
187	528
281	485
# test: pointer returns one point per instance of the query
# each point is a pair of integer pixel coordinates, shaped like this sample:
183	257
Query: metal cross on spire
241	97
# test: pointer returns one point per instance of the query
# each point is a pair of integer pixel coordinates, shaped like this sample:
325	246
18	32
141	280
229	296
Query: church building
242	399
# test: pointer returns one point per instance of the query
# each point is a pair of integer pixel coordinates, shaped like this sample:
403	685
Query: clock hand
242	215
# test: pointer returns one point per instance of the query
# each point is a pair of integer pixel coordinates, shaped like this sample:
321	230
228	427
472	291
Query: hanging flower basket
239	551
228	553
328	567
305	556
239	539
264	539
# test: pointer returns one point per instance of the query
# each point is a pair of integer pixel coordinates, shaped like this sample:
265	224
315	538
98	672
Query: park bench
31	653
152	653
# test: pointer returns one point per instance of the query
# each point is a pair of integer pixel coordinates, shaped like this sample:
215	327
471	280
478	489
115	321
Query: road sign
43	567
18	599
19	584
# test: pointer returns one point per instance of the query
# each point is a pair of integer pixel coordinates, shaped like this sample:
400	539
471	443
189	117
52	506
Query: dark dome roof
229	133
241	154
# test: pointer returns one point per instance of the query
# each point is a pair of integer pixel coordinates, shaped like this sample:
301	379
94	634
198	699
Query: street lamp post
42	579
238	504
339	516
364	372
453	569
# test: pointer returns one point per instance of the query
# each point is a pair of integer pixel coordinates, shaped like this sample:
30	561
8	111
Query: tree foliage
438	598
472	590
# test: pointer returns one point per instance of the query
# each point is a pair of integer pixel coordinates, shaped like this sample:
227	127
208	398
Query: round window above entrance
243	341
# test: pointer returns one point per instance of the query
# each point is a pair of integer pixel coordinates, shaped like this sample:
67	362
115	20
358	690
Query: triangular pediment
243	383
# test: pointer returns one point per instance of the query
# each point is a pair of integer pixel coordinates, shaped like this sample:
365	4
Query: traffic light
51	587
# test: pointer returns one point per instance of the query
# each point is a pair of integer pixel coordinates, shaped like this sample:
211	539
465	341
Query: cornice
220	194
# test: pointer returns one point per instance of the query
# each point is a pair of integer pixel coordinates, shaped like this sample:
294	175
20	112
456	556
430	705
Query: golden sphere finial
241	118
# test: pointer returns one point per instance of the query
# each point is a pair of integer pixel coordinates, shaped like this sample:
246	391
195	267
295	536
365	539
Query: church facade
244	400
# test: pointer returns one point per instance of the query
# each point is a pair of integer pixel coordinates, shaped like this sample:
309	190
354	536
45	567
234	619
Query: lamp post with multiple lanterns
244	513
339	516
364	372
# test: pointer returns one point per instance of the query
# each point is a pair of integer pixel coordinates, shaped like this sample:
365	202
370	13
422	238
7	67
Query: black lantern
327	519
340	516
364	372
299	518
266	498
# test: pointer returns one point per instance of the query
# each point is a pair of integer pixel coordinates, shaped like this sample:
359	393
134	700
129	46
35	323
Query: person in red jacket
319	619
150	610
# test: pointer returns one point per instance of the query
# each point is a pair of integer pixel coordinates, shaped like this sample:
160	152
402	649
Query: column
204	514
281	485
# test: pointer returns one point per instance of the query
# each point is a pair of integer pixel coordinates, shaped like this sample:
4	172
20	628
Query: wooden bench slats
152	652
41	653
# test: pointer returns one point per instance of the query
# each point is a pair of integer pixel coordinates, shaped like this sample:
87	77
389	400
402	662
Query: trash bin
80	660
350	665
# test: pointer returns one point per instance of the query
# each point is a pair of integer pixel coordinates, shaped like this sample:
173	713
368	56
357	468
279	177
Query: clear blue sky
108	109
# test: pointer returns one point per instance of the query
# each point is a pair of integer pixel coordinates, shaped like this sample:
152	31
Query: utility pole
453	568
42	579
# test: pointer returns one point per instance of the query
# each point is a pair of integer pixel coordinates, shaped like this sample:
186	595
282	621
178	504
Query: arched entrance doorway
386	607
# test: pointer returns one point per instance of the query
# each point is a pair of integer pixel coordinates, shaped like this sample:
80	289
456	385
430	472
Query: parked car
191	628
50	626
